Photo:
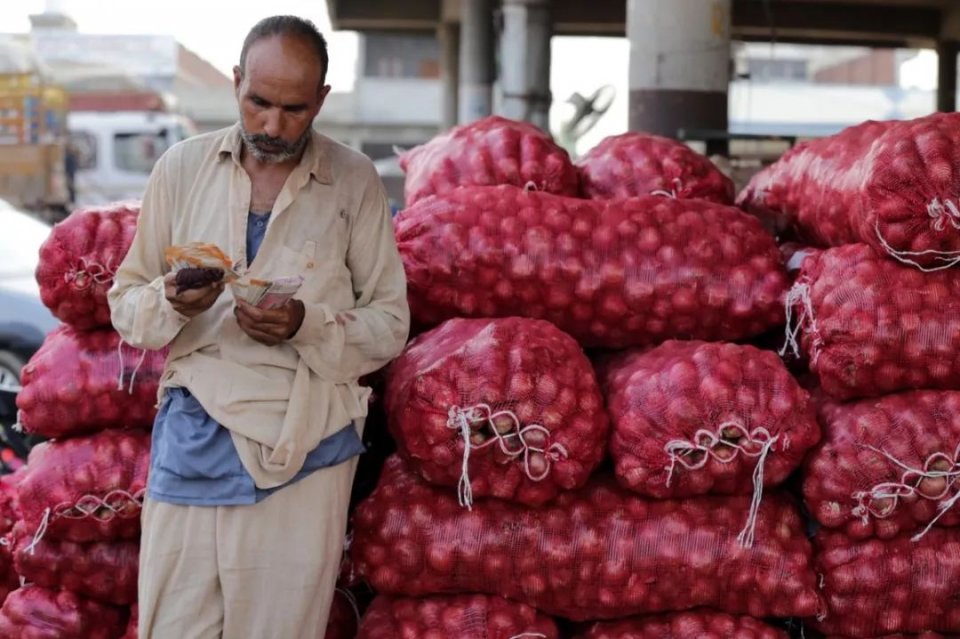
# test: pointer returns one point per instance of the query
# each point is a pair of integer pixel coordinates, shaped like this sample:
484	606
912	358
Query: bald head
290	27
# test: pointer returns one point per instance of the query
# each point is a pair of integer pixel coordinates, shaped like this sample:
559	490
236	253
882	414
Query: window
138	152
771	70
401	56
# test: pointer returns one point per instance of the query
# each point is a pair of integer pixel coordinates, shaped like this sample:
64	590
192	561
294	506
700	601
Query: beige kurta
266	570
331	223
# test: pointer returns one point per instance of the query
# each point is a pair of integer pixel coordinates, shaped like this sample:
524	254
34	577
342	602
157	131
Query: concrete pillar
947	75
477	69
525	61
679	64
449	35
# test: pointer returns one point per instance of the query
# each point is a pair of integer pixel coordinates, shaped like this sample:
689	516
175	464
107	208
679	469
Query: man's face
279	94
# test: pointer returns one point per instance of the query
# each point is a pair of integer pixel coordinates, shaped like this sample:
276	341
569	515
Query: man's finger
196	295
263	325
263	316
251	311
257	334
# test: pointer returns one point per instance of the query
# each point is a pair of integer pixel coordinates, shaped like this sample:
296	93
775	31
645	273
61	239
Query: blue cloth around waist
194	462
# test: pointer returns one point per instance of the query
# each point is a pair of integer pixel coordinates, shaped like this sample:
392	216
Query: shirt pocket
326	278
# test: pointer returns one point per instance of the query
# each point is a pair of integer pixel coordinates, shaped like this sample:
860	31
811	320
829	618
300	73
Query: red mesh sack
695	418
9	515
33	612
86	488
611	273
893	185
870	326
81	383
79	259
9	504
131	632
887	466
594	553
9	579
508	408
488	152
634	164
344	616
877	587
460	616
104	571
789	194
695	624
922	635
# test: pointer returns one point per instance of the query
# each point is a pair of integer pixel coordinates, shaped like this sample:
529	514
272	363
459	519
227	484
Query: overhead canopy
886	23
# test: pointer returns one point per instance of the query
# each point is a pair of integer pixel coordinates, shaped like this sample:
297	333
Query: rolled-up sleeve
380	321
138	307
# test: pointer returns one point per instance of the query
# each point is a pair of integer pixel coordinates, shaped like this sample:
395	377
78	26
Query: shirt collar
315	156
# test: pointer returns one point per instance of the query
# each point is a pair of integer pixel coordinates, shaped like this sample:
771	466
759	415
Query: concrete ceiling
887	23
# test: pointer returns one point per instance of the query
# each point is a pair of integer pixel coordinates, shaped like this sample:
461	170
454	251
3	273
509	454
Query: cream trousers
266	571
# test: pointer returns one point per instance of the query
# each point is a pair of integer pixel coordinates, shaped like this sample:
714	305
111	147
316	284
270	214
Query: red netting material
887	466
634	164
695	418
33	612
488	152
611	273
86	488
79	259
102	571
131	632
595	553
460	616
876	587
695	624
922	635
893	185
344	616
9	504
85	382
871	326
508	408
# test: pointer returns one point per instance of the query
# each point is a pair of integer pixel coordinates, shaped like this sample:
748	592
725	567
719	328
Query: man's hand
270	327
192	302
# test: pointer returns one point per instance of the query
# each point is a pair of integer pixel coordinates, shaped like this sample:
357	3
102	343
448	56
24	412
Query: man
255	445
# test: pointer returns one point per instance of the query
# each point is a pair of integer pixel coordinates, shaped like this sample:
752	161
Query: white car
24	320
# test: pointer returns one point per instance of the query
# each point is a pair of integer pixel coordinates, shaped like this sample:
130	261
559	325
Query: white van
115	151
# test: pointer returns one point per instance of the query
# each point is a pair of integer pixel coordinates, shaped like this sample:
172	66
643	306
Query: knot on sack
933	481
725	444
115	504
944	259
943	213
672	193
480	426
86	273
798	297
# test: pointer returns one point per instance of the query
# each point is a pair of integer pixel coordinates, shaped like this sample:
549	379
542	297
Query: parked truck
33	144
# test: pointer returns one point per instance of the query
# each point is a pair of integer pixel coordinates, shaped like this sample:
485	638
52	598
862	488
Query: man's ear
237	79
324	92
